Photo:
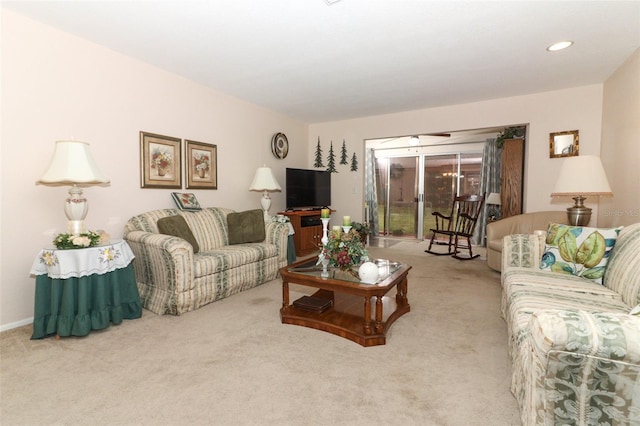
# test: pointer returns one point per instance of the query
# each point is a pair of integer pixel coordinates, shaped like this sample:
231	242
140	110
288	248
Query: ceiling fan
414	140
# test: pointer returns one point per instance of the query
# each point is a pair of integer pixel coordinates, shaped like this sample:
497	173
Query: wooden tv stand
308	231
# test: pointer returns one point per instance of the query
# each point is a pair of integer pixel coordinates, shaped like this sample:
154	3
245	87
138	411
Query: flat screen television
307	189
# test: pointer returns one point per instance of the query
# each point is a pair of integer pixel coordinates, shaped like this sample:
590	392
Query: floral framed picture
201	162
160	161
186	201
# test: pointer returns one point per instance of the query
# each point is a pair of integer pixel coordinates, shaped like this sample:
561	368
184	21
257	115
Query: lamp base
76	227
265	202
76	208
579	215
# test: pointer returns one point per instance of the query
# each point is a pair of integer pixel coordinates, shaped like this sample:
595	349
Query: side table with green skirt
84	289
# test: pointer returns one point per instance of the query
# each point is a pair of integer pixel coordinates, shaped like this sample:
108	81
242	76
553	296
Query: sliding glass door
440	183
397	196
411	188
446	176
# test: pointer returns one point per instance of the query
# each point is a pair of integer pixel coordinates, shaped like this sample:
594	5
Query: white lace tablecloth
63	264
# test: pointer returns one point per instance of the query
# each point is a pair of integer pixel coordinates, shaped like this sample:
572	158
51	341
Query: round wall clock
279	145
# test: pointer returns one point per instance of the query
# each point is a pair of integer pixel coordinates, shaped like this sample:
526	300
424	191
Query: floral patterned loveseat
574	344
172	279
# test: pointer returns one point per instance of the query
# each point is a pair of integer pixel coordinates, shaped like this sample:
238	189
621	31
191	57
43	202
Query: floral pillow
578	250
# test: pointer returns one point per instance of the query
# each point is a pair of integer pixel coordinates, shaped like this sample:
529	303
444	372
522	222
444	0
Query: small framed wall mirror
563	144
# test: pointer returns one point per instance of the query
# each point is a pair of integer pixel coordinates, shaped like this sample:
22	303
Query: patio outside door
411	188
446	176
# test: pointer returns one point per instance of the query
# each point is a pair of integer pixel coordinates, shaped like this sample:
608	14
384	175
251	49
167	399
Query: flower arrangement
362	229
280	219
161	159
201	161
86	239
344	250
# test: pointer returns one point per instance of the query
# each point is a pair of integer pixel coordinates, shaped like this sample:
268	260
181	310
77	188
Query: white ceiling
318	62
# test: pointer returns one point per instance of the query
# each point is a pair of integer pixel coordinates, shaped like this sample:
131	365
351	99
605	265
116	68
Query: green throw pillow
246	227
578	250
177	226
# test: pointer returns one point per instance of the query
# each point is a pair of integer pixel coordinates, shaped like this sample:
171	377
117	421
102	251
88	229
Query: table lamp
580	176
72	164
493	200
265	181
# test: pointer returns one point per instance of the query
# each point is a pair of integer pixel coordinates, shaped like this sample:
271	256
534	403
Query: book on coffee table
313	304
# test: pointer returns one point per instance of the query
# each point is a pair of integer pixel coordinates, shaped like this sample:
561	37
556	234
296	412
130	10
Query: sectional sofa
202	256
574	343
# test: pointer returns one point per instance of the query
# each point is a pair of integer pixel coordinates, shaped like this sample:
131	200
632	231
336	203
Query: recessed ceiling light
414	140
559	46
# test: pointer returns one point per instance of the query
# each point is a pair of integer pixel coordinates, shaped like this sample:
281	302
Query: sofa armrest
614	336
498	229
278	233
521	250
163	267
579	363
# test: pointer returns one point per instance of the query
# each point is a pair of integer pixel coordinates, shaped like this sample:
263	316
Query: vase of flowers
201	163
161	160
344	250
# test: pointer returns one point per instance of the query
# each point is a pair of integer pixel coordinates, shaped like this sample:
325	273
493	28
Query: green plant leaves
567	247
563	267
591	251
554	232
594	273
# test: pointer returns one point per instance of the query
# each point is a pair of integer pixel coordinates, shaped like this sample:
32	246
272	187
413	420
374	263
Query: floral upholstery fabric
574	348
521	250
173	280
586	367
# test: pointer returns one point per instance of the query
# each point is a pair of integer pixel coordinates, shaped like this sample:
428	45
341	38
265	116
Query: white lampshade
72	164
265	181
580	176
493	198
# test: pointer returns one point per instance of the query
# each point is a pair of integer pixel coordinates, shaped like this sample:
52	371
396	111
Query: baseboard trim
16	324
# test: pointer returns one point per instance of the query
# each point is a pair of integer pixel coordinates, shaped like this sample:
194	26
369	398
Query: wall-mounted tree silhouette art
344	159
354	163
331	160
318	161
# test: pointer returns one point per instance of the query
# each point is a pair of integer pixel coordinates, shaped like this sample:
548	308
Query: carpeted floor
233	363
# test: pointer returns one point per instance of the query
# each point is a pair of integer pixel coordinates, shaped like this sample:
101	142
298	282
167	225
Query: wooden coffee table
360	312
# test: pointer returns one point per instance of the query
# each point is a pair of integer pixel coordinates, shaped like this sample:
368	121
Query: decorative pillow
578	250
246	227
177	226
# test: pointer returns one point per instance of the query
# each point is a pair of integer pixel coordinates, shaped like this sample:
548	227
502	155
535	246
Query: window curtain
489	182
371	192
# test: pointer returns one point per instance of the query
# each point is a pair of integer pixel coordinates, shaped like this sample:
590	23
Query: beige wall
621	145
57	86
578	108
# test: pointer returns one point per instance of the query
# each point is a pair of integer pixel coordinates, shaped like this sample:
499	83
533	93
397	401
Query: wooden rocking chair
458	226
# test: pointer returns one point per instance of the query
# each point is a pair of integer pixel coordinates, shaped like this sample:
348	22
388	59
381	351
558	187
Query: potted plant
509	133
